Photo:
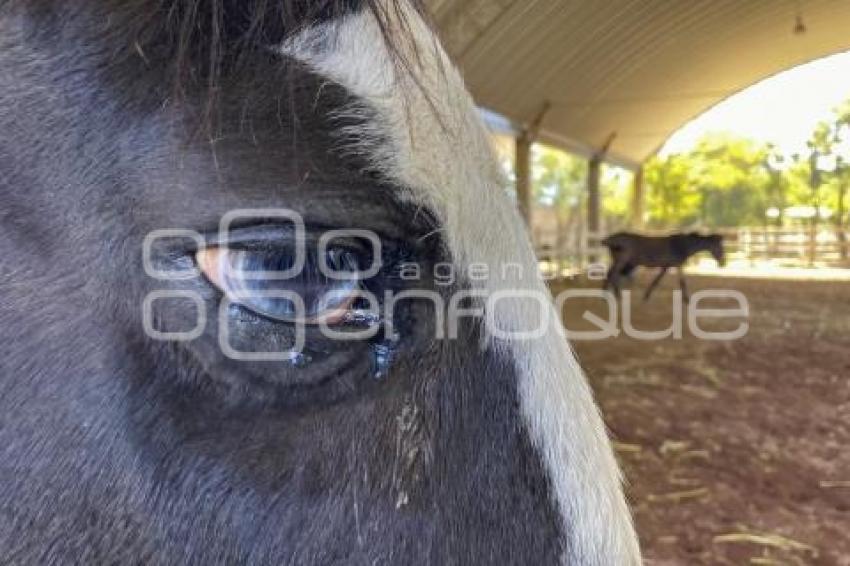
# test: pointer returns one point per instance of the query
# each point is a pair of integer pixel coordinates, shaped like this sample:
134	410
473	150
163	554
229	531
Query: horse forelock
423	132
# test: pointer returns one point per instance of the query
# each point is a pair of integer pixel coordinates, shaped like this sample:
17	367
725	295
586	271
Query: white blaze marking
447	162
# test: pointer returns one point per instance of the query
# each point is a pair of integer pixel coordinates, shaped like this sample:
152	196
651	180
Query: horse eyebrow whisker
141	52
434	232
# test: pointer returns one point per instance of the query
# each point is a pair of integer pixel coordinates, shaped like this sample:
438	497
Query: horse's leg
612	281
628	272
609	275
609	278
683	284
613	278
654	283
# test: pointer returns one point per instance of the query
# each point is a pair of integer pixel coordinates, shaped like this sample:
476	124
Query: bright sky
782	109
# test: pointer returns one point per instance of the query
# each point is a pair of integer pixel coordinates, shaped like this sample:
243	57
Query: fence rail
822	247
798	247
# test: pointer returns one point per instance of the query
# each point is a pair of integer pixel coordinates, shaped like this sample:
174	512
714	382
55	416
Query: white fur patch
440	149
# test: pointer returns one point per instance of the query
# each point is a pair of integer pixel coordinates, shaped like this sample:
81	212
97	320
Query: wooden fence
793	246
796	247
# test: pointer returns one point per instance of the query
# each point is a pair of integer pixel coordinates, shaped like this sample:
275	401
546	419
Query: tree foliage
723	181
726	180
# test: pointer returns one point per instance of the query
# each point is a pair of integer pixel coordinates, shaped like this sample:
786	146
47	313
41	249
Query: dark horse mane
207	38
202	42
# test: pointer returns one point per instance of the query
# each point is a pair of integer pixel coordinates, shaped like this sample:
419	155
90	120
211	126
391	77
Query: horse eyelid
261	235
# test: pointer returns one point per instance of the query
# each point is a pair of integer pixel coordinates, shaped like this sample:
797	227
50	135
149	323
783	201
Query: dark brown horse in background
629	251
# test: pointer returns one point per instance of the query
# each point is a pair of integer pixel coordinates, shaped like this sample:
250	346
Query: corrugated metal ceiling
640	68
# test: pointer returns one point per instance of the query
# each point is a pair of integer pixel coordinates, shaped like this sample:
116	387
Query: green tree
671	198
829	170
559	178
723	181
616	185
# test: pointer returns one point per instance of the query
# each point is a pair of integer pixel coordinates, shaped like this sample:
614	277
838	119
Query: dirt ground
735	452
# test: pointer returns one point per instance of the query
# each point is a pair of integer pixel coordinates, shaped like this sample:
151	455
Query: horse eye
252	279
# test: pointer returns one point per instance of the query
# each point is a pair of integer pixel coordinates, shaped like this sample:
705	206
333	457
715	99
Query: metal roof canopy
637	68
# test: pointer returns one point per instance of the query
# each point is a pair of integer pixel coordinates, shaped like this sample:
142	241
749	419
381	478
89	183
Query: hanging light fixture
799	24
